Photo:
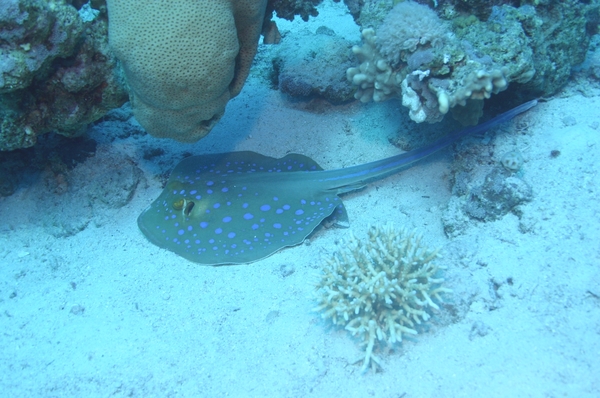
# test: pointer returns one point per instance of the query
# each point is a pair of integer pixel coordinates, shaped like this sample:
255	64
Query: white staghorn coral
381	288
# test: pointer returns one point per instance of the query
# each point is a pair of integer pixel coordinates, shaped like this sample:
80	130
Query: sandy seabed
90	308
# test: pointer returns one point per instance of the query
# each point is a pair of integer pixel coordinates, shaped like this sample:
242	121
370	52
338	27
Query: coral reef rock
445	59
288	9
56	73
380	289
94	189
500	193
317	69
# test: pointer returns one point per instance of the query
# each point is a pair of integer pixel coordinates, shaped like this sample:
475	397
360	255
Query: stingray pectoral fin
339	218
236	208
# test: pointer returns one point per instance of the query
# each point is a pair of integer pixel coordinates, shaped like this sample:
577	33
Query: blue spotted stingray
240	207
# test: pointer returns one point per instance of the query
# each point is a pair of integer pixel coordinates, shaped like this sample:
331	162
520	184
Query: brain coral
381	288
184	60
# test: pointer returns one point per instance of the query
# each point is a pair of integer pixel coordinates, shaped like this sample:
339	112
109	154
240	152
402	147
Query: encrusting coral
381	288
408	26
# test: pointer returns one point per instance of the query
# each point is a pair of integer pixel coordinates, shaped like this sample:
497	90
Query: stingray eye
178	204
188	208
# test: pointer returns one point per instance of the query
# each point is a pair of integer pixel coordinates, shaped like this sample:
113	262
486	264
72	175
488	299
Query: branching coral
380	289
374	76
434	66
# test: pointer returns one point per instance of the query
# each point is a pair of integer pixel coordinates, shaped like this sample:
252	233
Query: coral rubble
380	289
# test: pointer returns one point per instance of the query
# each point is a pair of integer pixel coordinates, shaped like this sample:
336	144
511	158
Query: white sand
106	313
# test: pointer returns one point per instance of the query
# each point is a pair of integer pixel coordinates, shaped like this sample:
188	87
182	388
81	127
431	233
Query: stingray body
240	207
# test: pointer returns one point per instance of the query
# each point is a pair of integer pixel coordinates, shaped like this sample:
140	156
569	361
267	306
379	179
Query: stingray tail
356	177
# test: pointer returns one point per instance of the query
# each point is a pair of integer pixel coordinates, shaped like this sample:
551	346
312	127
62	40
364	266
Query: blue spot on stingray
209	191
279	211
203	224
226	219
209	183
299	212
189	228
277	225
193	192
181	232
265	207
255	226
248	216
245	205
225	189
217	205
286	207
231	235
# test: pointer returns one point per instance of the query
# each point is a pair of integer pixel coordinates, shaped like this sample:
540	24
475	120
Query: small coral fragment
380	289
512	161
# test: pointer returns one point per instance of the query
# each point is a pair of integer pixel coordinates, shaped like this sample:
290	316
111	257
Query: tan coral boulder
184	60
